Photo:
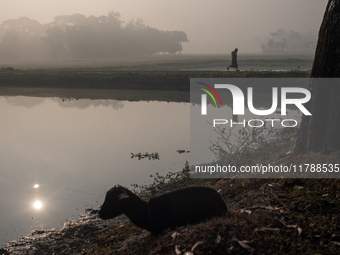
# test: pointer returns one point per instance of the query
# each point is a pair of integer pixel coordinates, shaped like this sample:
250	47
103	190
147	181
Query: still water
60	156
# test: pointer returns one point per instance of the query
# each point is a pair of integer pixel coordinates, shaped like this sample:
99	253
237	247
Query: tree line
290	42
79	37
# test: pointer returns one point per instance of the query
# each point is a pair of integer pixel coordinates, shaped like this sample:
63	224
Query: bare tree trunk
327	55
321	131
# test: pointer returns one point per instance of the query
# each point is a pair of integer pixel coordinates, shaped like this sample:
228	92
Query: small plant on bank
236	147
166	183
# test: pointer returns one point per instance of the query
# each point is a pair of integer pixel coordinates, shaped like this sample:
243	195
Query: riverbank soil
265	216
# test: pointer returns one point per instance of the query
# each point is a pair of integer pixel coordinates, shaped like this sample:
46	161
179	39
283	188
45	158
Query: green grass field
177	63
123	80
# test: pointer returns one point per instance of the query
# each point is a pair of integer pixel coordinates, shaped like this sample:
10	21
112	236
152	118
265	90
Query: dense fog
74	29
79	37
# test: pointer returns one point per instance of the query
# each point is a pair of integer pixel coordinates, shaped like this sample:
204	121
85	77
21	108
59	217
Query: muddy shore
75	237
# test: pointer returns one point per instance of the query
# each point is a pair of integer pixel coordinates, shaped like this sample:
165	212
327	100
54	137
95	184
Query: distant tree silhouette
293	41
54	39
21	39
78	36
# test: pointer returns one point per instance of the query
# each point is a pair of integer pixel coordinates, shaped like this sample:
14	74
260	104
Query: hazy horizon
212	27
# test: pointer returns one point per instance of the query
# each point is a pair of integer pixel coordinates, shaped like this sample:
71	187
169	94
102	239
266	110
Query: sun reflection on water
37	204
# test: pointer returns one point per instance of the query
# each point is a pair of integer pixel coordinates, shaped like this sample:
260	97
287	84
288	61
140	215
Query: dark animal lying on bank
169	210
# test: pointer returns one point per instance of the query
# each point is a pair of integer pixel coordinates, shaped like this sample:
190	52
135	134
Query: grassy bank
182	62
125	80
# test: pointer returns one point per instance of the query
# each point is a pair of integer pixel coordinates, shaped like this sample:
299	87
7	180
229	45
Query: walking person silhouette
233	60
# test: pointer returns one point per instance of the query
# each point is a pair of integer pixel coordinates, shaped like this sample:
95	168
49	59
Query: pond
59	156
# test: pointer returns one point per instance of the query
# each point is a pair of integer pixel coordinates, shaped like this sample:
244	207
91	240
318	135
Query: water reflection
37	204
24	101
27	102
86	103
72	151
60	157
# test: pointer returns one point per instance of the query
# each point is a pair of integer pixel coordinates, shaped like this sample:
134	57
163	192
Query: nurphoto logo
238	105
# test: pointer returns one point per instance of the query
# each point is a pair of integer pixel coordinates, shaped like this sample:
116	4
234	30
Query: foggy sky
214	26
